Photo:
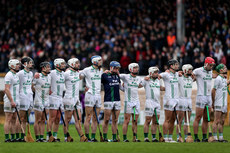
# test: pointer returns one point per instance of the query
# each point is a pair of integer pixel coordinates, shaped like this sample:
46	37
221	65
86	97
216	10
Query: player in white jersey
41	86
71	99
25	94
132	103
92	75
152	104
55	98
219	101
171	98
185	90
203	76
11	99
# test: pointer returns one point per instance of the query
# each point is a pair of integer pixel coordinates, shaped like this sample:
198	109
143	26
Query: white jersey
42	88
131	85
171	84
72	84
152	89
57	83
185	87
25	82
220	85
12	79
204	81
93	79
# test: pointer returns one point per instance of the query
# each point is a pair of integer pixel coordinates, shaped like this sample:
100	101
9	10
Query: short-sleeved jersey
93	79
72	84
204	81
171	84
152	89
111	86
42	88
220	85
131	85
185	86
25	82
13	80
57	83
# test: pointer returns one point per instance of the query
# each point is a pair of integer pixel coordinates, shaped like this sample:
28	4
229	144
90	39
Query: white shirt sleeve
164	75
122	77
161	82
35	81
8	79
66	75
216	83
143	83
196	72
83	73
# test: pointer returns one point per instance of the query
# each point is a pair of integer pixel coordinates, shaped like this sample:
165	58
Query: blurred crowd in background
141	31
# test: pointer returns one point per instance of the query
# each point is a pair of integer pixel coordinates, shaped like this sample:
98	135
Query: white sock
215	137
221	137
47	137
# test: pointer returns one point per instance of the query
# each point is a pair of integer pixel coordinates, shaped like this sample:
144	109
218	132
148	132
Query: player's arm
33	87
33	84
81	75
180	73
121	87
193	77
140	85
8	94
163	76
228	82
162	88
20	76
216	84
122	77
213	96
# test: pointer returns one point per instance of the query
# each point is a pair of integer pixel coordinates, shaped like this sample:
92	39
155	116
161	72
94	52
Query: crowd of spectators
142	31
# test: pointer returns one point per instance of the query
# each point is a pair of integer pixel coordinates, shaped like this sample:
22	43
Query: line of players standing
49	86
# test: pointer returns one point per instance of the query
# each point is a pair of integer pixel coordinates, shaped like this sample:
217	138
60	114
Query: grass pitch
111	147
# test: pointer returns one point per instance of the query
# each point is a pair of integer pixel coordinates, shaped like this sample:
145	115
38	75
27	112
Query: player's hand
228	82
180	73
167	71
86	89
106	71
193	76
36	75
50	92
147	78
13	104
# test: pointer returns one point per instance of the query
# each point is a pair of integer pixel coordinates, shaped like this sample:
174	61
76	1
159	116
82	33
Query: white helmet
152	70
95	58
72	61
132	65
13	62
58	61
186	67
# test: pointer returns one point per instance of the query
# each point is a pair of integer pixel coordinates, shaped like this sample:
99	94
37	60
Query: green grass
111	147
